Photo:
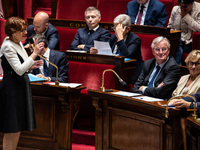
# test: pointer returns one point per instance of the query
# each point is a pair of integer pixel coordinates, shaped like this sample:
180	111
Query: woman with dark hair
16	105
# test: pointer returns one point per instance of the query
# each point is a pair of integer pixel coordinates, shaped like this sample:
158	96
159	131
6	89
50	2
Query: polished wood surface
55	108
127	123
125	69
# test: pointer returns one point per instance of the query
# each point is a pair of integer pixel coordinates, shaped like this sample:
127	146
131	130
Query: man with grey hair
42	26
160	75
126	43
84	39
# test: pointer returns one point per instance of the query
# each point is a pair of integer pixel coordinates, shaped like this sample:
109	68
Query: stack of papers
148	99
129	94
72	85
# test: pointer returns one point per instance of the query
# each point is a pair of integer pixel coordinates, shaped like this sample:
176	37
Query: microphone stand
102	88
56	82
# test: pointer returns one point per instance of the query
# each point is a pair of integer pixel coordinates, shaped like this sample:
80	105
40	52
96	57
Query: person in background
16	105
42	26
147	12
84	39
126	43
189	84
47	71
185	17
160	75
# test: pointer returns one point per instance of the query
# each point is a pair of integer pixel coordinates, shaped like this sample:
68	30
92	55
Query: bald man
42	26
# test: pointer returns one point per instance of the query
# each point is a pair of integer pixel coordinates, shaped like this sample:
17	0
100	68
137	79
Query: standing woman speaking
16	105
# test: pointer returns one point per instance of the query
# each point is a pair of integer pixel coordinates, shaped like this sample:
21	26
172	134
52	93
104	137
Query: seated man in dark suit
42	26
160	75
147	12
126	43
47	71
85	37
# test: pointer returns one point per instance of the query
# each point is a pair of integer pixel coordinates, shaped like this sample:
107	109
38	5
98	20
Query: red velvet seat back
73	9
42	5
146	41
90	75
66	36
111	8
2	32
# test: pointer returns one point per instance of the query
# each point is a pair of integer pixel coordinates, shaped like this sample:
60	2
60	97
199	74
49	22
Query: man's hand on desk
93	50
42	76
81	46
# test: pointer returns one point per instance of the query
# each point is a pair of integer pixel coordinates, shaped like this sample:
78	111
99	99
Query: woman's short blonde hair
14	24
194	56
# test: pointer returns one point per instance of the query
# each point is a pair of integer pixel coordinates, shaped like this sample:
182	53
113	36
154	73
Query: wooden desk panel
55	110
125	123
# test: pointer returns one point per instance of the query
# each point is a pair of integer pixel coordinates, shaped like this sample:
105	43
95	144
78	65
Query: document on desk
72	85
128	94
103	47
148	99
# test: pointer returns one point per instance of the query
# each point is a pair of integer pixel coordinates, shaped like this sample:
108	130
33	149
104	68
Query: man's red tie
140	15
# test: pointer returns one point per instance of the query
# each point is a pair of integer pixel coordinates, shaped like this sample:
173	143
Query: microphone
56	82
102	88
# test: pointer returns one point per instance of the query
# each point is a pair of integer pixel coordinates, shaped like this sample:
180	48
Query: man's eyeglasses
160	49
193	63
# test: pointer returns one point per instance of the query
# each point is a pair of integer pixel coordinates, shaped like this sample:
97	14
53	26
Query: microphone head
123	83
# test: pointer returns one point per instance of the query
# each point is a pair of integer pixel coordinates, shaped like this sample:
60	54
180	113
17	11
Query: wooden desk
194	130
55	109
124	123
125	69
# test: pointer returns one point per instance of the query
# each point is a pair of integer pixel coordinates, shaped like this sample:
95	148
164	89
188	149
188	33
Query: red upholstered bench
90	75
66	36
146	40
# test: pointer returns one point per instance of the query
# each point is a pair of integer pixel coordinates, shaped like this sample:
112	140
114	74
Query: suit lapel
148	10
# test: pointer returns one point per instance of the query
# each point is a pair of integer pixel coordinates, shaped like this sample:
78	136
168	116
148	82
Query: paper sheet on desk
103	47
72	85
148	99
129	94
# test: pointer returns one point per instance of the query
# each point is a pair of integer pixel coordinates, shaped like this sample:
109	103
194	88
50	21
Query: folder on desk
34	78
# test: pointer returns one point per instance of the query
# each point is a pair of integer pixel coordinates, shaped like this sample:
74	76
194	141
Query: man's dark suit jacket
82	37
130	49
169	74
156	14
51	34
60	60
197	97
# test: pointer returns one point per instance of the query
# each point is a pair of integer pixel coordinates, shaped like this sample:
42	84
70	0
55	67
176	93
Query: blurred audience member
185	17
147	12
